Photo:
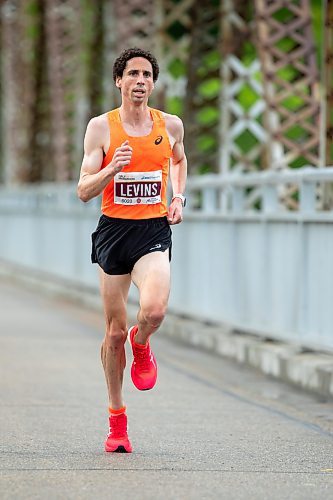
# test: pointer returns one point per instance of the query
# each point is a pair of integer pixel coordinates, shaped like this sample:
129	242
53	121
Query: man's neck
134	115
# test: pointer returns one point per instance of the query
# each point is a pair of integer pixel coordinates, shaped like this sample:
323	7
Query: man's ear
118	82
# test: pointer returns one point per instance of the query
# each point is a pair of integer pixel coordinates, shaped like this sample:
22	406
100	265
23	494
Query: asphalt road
210	429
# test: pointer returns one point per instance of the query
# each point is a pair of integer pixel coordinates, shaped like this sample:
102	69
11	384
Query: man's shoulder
174	125
98	126
98	121
98	130
173	122
171	118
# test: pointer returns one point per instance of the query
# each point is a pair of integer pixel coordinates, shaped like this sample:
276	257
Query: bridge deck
210	429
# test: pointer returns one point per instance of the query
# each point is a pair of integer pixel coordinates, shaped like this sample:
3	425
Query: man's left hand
175	212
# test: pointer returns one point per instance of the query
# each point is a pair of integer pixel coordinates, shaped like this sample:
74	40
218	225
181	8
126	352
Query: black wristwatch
181	197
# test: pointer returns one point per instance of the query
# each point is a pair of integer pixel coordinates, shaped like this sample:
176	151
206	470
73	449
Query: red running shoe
144	367
117	439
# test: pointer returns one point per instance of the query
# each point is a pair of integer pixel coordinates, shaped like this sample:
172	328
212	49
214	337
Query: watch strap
181	197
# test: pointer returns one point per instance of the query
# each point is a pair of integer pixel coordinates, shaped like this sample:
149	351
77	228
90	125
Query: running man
128	153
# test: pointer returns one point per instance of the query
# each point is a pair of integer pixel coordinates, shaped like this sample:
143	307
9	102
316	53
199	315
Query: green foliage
317	26
32	28
288	73
299	162
175	106
212	60
210	88
293	102
206	143
295	133
247	97
246	141
208	115
283	15
177	30
177	68
249	53
32	8
286	44
204	168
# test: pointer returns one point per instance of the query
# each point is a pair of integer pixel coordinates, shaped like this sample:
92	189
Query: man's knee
115	336
153	314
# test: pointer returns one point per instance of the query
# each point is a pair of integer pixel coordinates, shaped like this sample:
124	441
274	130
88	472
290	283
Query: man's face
136	84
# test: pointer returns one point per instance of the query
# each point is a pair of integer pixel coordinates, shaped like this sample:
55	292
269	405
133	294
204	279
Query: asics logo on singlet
158	140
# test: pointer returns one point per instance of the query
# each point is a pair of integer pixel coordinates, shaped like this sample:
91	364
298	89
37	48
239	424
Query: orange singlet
139	190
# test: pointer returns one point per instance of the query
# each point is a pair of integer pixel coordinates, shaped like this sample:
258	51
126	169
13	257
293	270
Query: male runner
128	154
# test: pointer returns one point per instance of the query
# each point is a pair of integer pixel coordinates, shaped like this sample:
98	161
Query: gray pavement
211	429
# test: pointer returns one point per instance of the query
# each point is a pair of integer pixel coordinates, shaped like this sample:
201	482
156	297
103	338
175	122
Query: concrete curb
310	370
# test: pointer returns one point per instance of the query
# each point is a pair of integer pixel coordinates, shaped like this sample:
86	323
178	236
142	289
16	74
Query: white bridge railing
265	270
228	194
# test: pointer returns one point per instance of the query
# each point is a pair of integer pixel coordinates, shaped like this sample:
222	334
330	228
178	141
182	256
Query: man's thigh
151	274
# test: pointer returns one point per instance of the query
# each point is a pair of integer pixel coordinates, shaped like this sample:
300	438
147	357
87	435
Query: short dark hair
126	55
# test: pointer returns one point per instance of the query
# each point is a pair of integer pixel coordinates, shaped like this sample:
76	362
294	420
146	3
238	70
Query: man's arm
178	168
92	179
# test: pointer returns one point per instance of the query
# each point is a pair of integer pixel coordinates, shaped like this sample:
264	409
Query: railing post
209	200
224	198
270	198
237	199
307	196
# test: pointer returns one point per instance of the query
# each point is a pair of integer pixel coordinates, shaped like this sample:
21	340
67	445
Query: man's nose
140	78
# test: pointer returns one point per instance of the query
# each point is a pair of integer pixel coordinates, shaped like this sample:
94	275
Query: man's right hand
93	178
122	157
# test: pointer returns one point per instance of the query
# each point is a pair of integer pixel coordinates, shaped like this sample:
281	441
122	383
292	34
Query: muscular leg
114	291
151	274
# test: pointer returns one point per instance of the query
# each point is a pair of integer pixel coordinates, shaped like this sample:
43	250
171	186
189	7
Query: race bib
138	188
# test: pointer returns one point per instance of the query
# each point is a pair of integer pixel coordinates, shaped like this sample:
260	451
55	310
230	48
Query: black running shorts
117	244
